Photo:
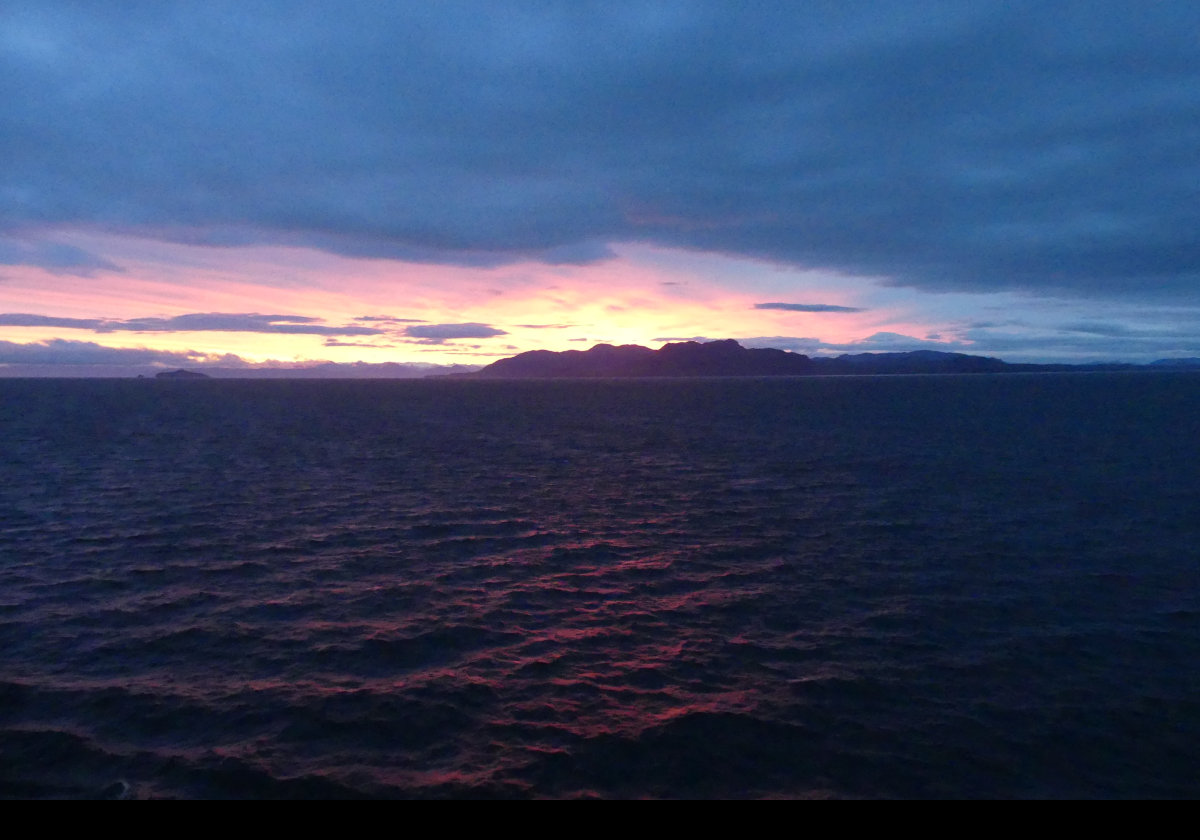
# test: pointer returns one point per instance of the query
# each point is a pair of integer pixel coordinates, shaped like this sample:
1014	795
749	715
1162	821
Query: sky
279	183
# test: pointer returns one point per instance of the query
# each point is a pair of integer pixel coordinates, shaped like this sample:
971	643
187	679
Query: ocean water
958	586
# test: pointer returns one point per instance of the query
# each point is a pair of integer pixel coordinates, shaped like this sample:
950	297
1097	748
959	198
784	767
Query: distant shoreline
728	358
682	360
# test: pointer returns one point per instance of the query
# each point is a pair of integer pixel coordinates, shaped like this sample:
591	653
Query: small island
181	374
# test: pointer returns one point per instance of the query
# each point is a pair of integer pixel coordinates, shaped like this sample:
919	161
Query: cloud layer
193	322
439	333
63	352
808	307
970	146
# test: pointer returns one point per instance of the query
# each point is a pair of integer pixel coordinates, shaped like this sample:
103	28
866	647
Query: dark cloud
808	307
1097	328
55	257
20	319
944	145
438	333
60	351
196	322
1077	347
580	253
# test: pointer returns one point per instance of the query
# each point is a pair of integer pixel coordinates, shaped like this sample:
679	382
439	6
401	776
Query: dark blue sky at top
947	146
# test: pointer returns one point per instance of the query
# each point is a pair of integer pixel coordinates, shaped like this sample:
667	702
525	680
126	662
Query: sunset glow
284	186
639	399
366	309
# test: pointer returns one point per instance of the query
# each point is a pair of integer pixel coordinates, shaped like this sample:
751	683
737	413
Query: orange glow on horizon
638	297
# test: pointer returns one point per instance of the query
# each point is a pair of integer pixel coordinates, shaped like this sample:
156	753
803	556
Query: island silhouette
181	374
729	358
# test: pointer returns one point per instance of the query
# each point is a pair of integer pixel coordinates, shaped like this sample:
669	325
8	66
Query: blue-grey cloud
1097	328
55	257
945	145
194	322
576	253
21	319
60	351
438	333
808	307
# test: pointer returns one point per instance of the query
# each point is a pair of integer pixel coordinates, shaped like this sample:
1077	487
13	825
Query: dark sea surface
909	586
